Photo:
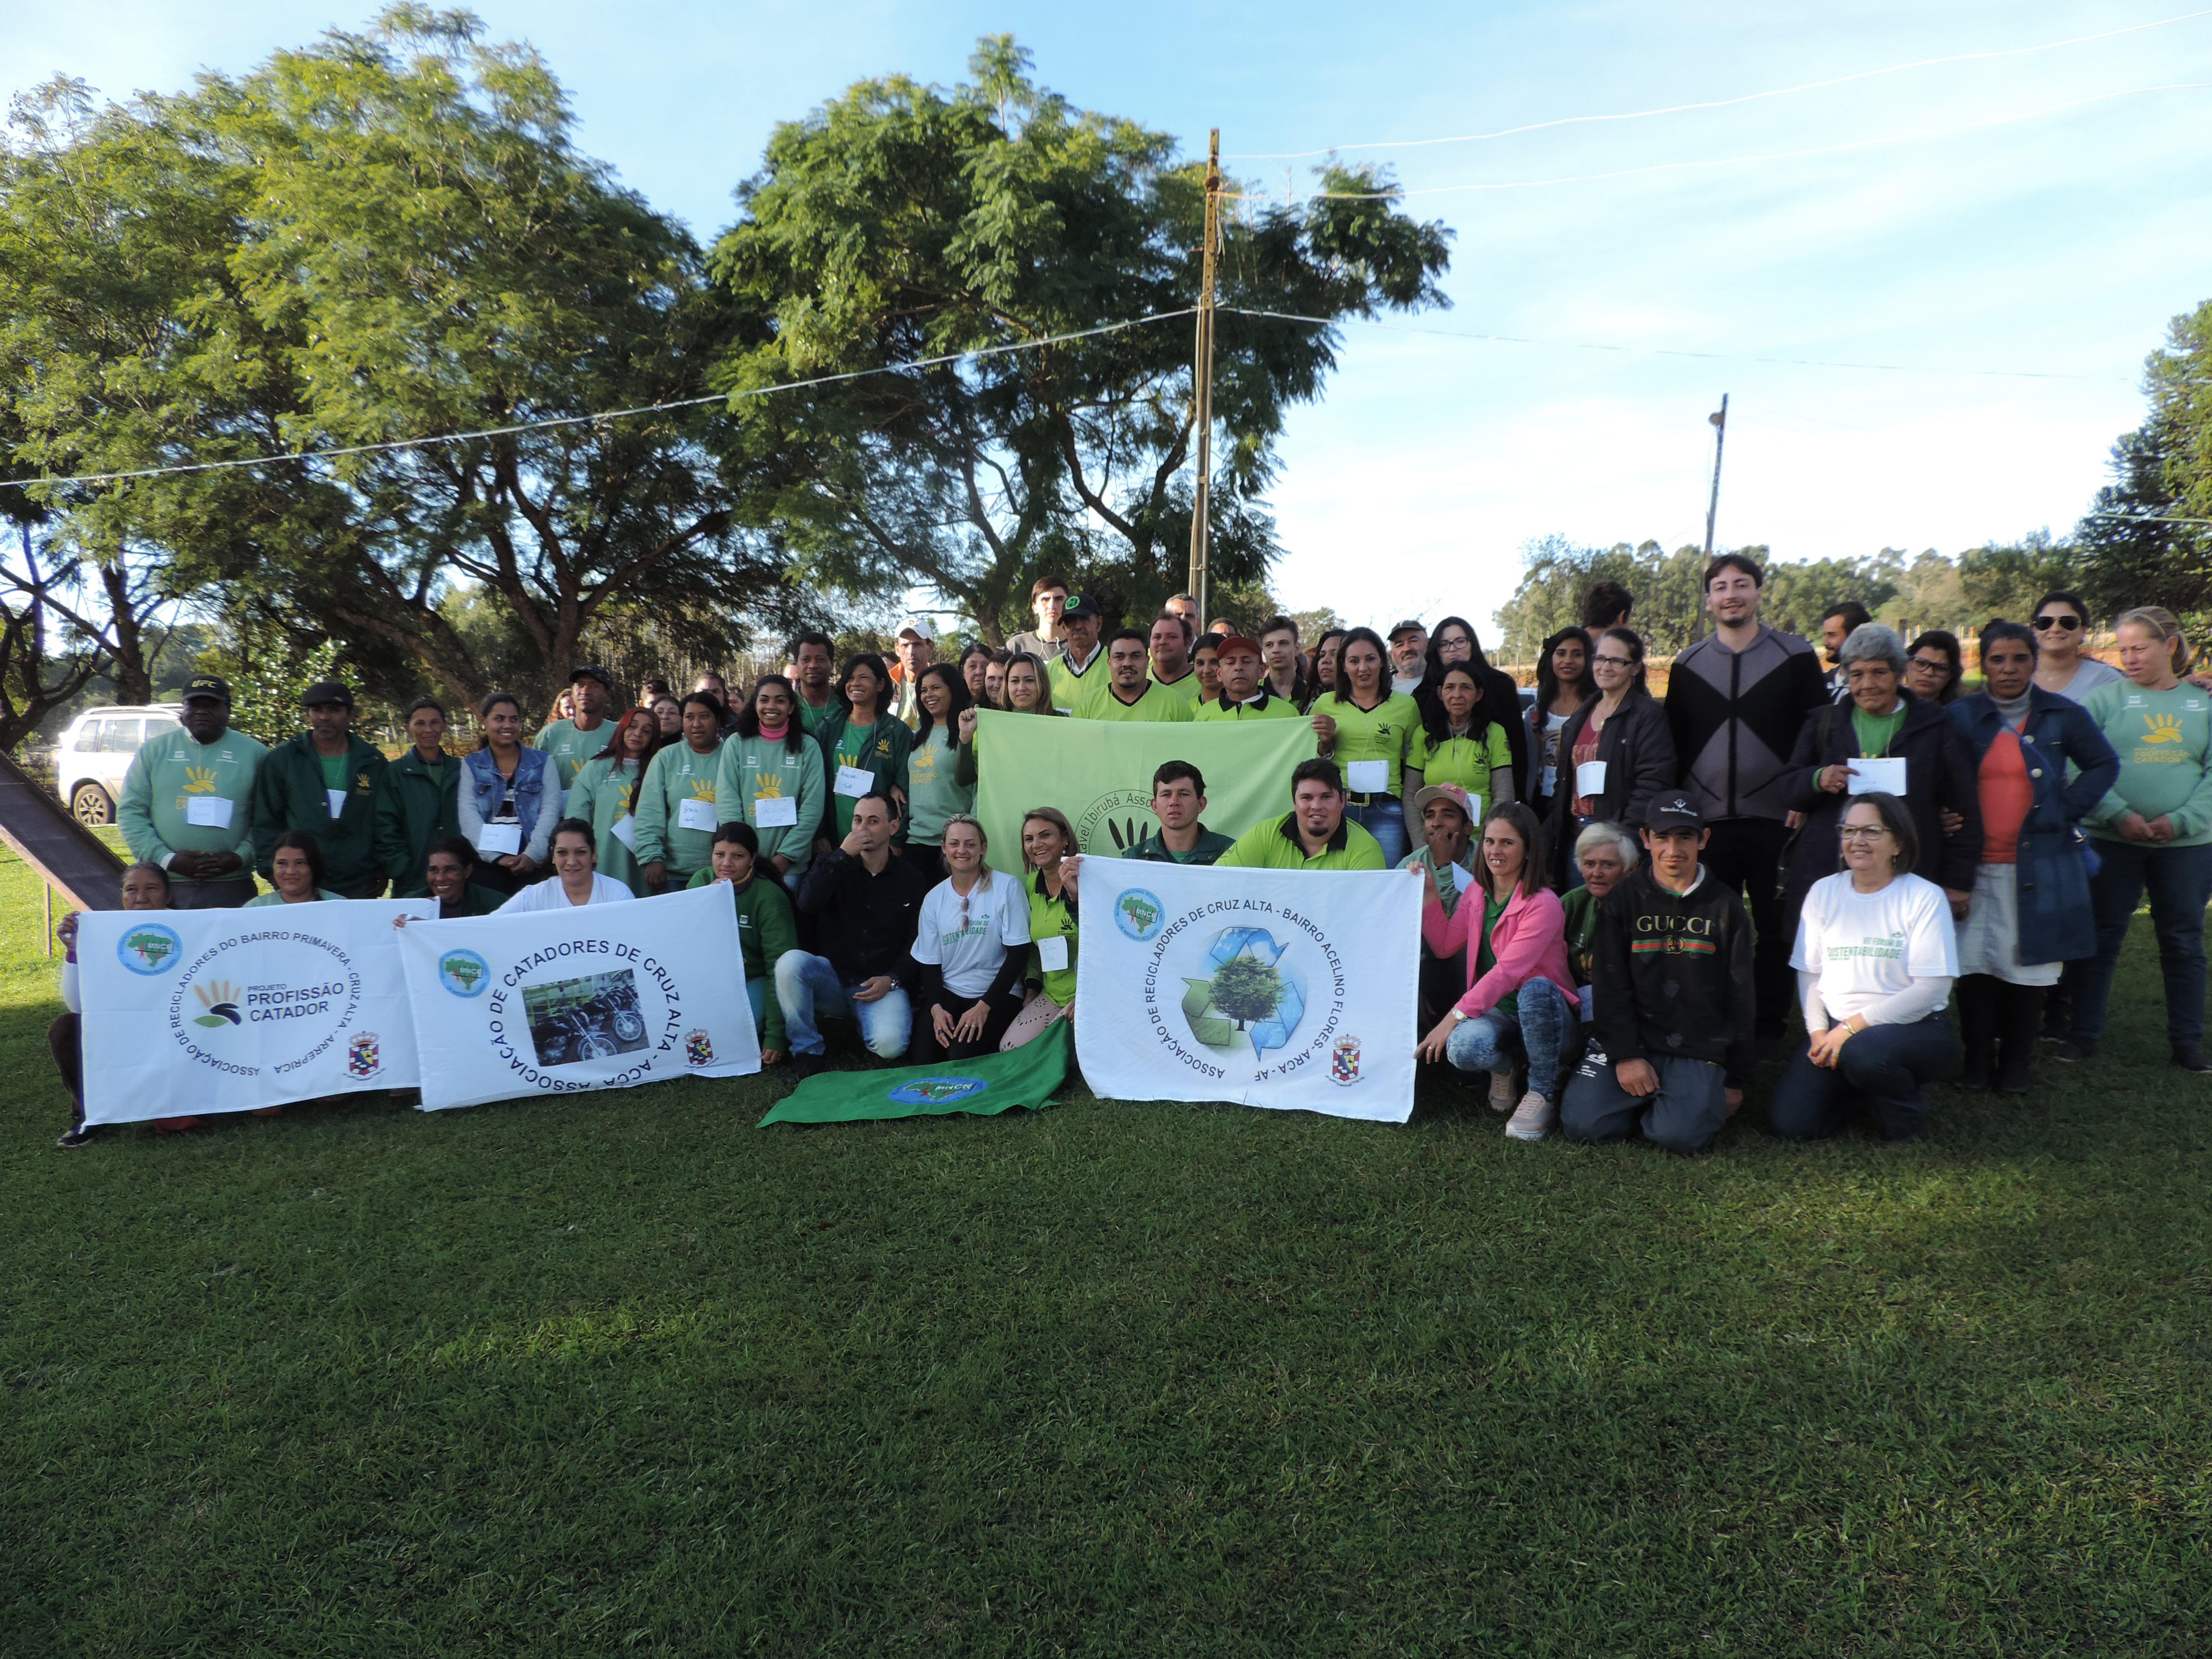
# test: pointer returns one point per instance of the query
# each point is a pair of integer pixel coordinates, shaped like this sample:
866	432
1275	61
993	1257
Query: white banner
189	1013
1288	989
606	996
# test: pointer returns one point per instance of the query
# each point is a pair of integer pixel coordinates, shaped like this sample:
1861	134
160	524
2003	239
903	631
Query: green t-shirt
334	770
272	896
810	718
2162	739
570	747
1273	844
1265	706
1069	688
1049	916
1485	959
1155	703
1153	849
1381	733
933	793
1187	688
1466	762
1874	731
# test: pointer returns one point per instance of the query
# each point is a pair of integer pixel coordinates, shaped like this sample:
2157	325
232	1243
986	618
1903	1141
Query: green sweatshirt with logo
765	931
602	796
678	772
168	774
753	770
2164	740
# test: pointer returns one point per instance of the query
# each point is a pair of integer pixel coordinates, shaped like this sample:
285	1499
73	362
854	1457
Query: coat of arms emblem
362	1054
1344	1060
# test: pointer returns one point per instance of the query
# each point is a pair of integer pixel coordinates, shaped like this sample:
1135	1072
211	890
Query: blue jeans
1537	1029
808	986
1683	1114
1386	821
1889	1065
2179	878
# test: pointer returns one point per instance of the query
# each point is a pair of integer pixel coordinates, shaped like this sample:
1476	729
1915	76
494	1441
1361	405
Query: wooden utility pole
1202	374
1719	419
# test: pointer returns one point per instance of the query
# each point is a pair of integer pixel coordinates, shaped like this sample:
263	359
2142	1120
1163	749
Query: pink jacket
1530	942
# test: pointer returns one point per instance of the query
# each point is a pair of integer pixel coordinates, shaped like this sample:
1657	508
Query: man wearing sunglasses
2062	628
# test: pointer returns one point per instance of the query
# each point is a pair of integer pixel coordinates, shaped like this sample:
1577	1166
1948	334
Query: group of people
1623	894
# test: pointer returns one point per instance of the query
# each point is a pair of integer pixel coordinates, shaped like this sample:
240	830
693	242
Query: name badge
337	799
695	814
1367	777
210	812
1589	778
498	839
1052	952
1885	774
624	830
776	813
854	781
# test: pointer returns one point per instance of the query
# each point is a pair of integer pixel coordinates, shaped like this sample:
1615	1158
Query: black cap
1081	606
1411	625
207	685
326	691
1673	810
592	671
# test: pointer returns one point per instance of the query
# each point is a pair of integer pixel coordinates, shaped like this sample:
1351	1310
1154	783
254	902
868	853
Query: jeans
1687	1110
1538	1030
224	893
1888	1063
1386	821
2178	879
1745	853
808	986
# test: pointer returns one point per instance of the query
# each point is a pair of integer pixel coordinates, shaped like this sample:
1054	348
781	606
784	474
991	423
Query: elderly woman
1876	954
1604	854
1880	720
1616	750
145	887
2032	889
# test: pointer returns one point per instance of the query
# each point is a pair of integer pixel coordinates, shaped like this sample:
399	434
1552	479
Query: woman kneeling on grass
971	943
145	887
1517	1007
576	877
1876	954
1047	846
296	867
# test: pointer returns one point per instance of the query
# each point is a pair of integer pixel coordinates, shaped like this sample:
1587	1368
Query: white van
96	751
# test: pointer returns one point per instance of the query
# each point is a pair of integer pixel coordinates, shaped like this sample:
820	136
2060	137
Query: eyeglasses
2044	624
1861	831
1615	662
1932	665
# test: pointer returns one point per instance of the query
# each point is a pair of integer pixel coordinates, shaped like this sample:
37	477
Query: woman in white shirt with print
1876	954
970	947
576	879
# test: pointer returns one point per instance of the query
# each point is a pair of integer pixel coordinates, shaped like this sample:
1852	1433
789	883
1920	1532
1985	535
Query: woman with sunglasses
2062	628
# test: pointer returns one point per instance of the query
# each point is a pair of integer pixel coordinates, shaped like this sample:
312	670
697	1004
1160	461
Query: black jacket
1638	748
1672	974
866	922
1940	775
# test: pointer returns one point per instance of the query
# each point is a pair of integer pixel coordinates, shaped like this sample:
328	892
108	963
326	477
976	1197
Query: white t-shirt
550	894
970	957
1867	946
2088	675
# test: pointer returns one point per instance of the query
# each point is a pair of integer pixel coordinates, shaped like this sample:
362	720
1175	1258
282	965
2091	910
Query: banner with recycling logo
1288	988
190	1012
604	996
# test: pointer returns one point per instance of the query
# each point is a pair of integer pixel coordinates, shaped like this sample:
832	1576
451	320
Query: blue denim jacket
483	789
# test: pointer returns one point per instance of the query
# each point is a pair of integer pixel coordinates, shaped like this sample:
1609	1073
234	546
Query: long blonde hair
2162	623
982	840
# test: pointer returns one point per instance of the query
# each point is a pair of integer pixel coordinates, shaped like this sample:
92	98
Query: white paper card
1589	778
854	781
1885	774
496	840
776	813
1462	877
624	830
1052	952
1367	777
1551	783
209	812
695	814
337	798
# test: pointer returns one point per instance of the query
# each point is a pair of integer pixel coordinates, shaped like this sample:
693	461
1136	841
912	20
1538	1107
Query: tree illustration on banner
1245	990
1250	994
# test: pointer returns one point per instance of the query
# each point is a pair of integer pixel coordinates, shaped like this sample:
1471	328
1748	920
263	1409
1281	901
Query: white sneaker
1533	1118
1503	1094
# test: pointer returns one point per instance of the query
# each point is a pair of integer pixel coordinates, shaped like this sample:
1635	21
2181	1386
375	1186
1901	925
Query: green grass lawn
623	1373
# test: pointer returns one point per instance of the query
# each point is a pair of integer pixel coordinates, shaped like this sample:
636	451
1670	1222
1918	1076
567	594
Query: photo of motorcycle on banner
567	1001
1286	988
193	1012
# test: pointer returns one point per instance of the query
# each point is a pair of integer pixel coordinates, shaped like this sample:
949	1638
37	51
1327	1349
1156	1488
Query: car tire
89	804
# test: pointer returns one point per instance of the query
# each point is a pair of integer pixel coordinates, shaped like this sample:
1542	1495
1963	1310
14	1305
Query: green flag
1100	774
1022	1076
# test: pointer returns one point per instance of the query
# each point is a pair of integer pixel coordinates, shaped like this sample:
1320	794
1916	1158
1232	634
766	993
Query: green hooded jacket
289	793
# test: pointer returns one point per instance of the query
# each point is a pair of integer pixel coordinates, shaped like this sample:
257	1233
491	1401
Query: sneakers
2191	1059
75	1138
1532	1119
1503	1094
2075	1048
800	1067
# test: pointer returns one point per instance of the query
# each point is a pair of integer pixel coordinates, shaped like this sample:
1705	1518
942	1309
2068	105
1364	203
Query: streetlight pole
1719	419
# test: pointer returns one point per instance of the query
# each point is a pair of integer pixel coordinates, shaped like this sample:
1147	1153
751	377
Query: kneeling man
1671	972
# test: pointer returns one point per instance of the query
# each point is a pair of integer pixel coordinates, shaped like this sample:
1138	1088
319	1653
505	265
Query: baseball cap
1411	625
207	685
326	691
920	627
1081	606
1450	792
1228	642
592	671
1673	810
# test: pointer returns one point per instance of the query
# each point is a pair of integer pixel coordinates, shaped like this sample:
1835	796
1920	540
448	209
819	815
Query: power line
1715	103
1399	194
1664	351
586	420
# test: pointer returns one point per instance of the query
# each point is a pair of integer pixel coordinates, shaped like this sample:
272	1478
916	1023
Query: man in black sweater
1672	980
864	904
1736	700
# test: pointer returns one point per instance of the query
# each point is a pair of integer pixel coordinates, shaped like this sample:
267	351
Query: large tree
386	237
903	222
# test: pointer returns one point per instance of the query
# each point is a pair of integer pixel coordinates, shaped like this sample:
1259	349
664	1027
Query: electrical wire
1715	103
586	420
1663	351
1397	193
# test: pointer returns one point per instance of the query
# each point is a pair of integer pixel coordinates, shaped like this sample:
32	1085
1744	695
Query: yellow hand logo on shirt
199	780
2164	728
767	785
923	760
702	789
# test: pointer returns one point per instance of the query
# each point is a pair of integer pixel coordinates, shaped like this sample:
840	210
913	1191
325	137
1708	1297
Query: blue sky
2058	245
